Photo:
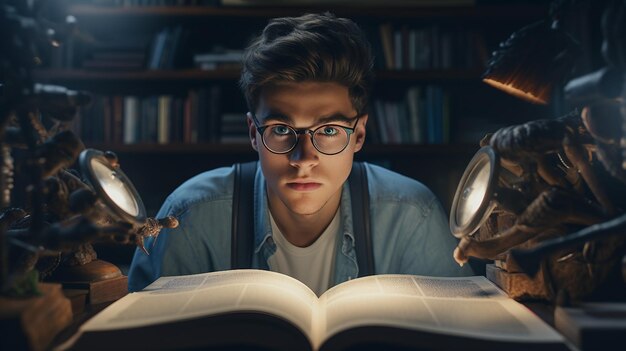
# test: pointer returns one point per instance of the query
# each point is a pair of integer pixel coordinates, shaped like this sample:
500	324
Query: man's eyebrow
337	117
274	116
279	117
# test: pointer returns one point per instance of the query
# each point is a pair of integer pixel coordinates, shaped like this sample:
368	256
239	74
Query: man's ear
359	133
252	131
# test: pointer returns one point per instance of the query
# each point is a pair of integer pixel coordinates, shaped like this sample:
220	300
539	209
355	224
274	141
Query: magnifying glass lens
114	187
474	192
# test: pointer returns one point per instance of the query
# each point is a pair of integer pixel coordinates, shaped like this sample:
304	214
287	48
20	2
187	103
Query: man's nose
304	154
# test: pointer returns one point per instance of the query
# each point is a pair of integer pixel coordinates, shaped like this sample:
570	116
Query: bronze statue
569	175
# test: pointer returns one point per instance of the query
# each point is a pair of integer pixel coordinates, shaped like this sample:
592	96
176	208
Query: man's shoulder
204	188
388	186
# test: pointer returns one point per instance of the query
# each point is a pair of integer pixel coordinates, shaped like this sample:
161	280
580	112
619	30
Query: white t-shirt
313	265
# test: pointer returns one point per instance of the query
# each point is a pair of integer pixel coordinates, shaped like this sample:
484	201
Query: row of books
396	47
281	2
122	3
126	53
401	48
405	48
421	117
193	118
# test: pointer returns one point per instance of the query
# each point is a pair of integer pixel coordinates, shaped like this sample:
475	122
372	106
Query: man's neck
303	230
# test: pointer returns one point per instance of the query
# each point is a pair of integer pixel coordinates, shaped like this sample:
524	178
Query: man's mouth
304	186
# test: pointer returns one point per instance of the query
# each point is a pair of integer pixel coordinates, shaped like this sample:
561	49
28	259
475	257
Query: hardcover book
268	310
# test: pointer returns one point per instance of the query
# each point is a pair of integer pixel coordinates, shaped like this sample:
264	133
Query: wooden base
78	299
101	281
32	323
593	326
101	291
518	286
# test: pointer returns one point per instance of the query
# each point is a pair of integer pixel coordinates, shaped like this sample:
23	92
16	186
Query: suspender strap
359	193
242	236
242	233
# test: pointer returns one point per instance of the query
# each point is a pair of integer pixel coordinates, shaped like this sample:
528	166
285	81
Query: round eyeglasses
329	139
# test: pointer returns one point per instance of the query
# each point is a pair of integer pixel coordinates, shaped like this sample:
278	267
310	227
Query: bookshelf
513	12
474	108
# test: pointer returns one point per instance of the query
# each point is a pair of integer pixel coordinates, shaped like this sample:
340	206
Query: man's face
305	180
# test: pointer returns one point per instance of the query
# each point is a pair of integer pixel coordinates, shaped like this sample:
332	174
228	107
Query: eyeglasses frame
299	132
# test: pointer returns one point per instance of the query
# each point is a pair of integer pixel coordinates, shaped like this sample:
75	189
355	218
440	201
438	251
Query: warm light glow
474	192
115	188
509	88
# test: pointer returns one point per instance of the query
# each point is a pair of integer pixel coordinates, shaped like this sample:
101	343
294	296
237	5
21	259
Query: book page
184	297
468	306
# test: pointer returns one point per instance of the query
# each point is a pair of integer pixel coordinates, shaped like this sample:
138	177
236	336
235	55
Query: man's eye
329	130
280	130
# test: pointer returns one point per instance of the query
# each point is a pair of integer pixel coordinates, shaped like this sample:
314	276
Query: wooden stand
593	326
101	281
32	323
78	299
518	285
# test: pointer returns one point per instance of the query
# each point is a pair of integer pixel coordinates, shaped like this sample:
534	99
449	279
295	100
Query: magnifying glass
114	189
479	192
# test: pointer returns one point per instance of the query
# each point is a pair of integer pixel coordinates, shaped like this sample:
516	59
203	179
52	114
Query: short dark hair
312	47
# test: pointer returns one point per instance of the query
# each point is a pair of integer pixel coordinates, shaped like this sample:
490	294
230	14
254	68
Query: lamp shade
531	62
112	187
473	200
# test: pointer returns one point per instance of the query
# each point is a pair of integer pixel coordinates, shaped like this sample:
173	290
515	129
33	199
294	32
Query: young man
306	81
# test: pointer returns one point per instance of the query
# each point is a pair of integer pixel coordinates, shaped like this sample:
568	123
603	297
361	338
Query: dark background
475	108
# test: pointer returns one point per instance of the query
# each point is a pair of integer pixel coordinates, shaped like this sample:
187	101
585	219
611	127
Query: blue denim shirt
410	233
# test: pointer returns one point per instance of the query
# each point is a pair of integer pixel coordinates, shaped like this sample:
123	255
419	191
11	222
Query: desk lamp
531	62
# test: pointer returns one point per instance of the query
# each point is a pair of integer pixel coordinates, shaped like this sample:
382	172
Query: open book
268	310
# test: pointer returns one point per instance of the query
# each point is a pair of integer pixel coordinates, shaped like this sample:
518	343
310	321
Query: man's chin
304	210
303	206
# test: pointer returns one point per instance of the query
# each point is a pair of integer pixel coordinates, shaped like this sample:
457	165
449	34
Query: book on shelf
167	48
131	119
115	57
429	47
254	308
218	58
416	114
421	116
164	125
234	129
386	35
